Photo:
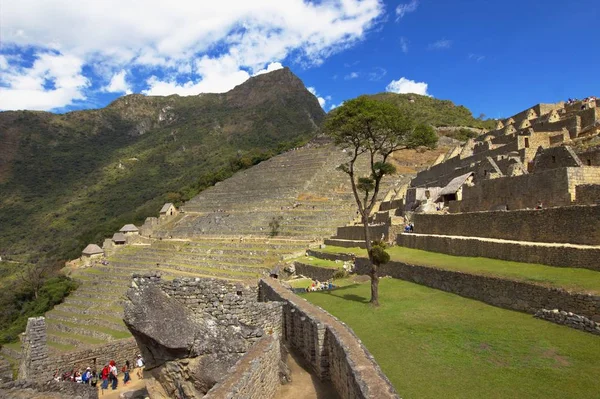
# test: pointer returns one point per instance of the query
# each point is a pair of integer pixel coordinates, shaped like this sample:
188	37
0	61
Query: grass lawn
563	277
432	344
311	260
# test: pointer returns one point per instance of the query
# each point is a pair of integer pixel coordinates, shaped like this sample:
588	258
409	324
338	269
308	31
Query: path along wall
37	365
516	251
508	294
572	224
556	187
254	376
331	349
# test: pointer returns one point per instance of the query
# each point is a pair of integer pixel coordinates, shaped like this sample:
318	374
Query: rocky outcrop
186	353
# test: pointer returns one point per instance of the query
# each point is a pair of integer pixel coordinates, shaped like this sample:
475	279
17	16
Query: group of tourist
109	375
317	285
409	228
585	101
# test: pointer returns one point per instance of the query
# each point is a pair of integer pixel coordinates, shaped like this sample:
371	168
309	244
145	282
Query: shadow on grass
338	292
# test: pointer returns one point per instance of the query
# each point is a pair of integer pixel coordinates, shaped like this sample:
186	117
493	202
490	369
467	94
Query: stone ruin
208	338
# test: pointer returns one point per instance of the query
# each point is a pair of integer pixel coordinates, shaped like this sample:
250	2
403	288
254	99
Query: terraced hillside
223	233
301	189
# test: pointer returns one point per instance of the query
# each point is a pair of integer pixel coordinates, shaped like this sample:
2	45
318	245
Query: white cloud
441	44
52	81
377	74
273	66
118	84
404	85
404	44
182	39
351	75
320	99
334	106
406	8
476	57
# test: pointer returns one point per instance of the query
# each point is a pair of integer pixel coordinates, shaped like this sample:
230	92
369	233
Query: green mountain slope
68	180
439	113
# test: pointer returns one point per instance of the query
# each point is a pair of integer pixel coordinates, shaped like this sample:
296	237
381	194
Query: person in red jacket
105	372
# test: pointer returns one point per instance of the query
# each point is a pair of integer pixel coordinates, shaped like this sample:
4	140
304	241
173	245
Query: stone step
345	243
210	268
85	330
113	323
78	341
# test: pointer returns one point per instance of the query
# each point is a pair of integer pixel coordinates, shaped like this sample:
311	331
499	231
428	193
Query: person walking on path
104	375
114	373
140	367
125	371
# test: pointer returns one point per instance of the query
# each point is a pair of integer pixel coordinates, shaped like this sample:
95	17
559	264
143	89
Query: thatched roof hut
129	228
92	249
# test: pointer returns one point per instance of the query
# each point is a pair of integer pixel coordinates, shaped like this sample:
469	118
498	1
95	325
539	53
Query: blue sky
495	57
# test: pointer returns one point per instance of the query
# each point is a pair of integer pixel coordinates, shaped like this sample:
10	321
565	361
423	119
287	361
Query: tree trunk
374	278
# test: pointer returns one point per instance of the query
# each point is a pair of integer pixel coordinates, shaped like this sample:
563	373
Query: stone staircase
301	188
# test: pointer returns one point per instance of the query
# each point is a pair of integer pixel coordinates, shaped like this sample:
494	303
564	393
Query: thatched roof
92	249
166	207
129	228
119	237
455	184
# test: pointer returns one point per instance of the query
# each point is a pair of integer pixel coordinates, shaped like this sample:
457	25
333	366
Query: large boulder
186	352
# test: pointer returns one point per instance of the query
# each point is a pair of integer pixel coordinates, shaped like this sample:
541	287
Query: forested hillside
71	179
439	113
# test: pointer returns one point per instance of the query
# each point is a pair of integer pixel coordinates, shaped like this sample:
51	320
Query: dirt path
304	385
135	384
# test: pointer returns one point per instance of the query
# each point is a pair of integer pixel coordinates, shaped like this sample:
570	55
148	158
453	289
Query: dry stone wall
53	389
573	224
254	376
569	319
559	255
508	294
331	349
314	272
229	303
37	365
588	194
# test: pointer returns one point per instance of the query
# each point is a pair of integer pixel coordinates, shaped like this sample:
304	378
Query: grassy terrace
311	260
432	344
567	278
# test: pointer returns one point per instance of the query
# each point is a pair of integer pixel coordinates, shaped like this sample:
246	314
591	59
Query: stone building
168	209
92	251
129	229
119	238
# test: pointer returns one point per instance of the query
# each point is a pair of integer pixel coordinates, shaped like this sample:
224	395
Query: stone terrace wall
330	347
254	376
314	272
563	256
508	294
573	224
588	194
6	372
554	187
37	365
227	302
65	389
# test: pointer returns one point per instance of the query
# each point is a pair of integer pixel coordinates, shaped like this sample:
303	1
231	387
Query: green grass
83	338
61	347
562	277
311	260
117	334
432	344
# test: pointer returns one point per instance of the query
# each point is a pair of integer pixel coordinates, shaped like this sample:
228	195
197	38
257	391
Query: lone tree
375	129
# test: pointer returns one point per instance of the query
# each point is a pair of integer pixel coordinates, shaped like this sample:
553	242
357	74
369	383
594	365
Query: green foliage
275	225
423	136
378	253
19	304
435	112
462	134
